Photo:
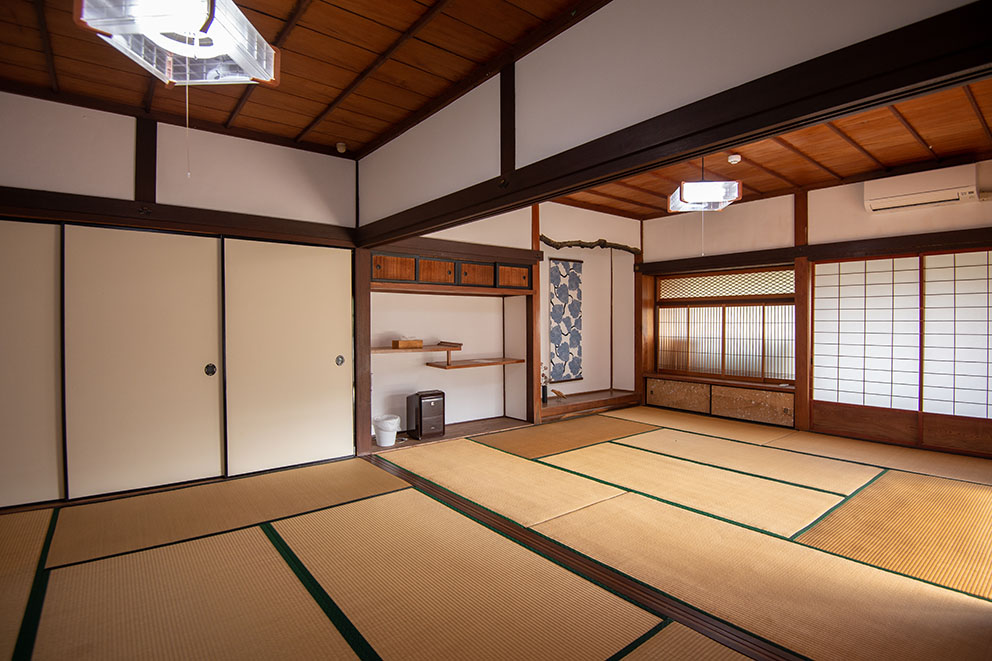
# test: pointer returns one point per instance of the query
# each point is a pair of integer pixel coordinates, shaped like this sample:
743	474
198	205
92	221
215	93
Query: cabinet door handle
210	369
339	361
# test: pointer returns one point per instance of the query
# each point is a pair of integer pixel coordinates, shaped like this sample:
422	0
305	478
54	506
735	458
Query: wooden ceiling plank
379	61
809	159
912	131
294	18
857	145
589	206
978	112
46	43
620	198
535	38
767	170
641	189
722	176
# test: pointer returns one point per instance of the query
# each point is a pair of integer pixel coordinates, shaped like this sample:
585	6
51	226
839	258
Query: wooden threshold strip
642	595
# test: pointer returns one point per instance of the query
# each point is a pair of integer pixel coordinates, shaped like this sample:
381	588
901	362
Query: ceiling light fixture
184	42
704	195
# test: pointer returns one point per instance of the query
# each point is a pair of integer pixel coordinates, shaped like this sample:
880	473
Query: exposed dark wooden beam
768	170
601	208
857	145
442	248
83	101
487	70
978	112
912	131
782	142
424	19
294	18
150	94
145	160
624	200
46	43
86	209
947	50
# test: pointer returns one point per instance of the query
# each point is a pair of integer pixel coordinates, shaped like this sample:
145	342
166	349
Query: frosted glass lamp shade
704	195
179	42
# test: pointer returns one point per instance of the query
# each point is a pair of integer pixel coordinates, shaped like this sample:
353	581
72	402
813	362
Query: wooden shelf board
475	362
423	349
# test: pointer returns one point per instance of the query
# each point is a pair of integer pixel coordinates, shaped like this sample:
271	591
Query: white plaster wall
56	147
590	80
476	321
838	214
565	223
515	334
245	176
741	227
510	229
455	148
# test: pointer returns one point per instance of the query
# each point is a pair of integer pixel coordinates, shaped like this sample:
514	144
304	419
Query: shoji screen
957	311
866	333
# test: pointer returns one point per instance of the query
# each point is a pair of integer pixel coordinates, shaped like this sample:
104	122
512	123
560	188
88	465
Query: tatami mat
750	432
680	643
771	506
519	489
935	529
554	437
940	464
817	472
22	537
423	582
813	603
116	526
231	596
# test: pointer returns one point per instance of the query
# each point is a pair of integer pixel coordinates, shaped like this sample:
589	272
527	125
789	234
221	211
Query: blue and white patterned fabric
565	287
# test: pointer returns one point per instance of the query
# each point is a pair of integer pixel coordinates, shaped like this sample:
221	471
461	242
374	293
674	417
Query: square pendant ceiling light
184	42
704	195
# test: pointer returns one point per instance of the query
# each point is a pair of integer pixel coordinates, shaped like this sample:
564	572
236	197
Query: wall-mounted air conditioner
923	189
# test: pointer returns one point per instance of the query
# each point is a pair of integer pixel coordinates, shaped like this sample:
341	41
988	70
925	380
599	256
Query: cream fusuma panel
30	369
289	345
142	359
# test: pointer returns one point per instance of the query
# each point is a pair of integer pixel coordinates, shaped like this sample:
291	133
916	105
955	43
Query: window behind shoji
866	332
956	334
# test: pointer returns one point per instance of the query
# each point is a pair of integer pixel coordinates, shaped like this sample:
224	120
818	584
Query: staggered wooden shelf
474	362
424	349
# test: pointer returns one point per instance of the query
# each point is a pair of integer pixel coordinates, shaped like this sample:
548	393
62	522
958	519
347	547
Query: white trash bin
386	427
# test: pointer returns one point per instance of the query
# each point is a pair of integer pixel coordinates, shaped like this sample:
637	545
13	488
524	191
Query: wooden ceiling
353	71
942	128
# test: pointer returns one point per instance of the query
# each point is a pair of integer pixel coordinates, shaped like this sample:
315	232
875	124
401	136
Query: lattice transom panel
727	285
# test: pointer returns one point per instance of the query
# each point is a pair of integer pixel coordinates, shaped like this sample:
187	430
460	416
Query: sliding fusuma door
142	359
290	375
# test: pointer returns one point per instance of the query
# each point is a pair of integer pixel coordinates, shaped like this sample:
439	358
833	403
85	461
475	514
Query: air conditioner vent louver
922	189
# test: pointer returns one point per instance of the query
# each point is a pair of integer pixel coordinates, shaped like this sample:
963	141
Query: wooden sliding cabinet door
290	378
143	355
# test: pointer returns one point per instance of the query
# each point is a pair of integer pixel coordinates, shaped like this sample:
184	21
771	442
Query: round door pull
210	369
339	360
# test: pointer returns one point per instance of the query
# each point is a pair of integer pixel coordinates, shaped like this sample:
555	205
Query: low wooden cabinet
775	407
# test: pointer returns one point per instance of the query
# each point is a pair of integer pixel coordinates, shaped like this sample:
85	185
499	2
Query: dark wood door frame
939	52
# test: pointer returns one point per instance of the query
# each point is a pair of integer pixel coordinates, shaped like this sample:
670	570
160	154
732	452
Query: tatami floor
814	546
